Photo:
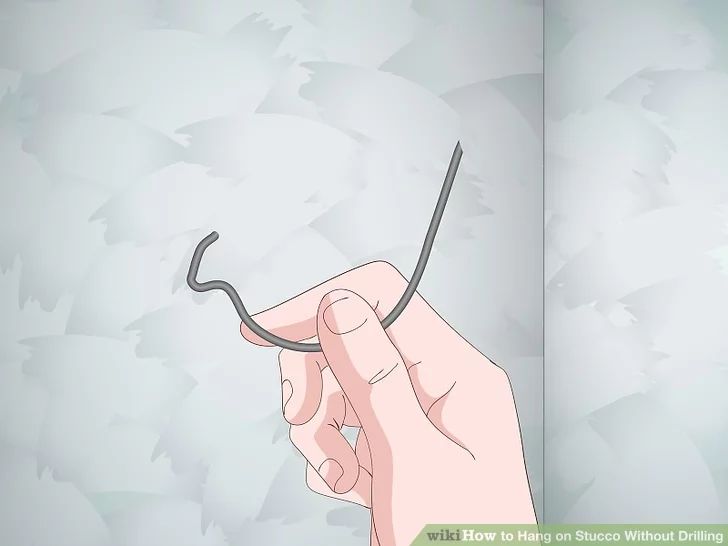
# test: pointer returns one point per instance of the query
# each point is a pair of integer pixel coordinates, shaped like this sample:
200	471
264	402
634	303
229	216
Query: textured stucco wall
636	313
131	411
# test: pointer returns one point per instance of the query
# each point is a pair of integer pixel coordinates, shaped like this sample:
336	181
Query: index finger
379	283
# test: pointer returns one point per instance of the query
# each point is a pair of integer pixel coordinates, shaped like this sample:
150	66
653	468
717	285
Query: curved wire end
196	260
237	302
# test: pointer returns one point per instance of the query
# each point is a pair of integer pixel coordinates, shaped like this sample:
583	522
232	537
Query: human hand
439	440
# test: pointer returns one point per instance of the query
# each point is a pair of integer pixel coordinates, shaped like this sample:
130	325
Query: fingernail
331	472
344	315
286	393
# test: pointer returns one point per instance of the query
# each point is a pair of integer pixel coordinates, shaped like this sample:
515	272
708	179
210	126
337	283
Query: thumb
370	370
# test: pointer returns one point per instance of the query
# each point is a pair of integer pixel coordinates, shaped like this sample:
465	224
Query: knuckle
388	282
336	294
298	436
282	359
312	480
309	480
287	359
379	282
334	402
383	373
384	271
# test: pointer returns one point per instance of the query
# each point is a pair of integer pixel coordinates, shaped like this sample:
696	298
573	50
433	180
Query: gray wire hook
386	322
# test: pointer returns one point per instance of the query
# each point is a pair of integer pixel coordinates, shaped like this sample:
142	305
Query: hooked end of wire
197	259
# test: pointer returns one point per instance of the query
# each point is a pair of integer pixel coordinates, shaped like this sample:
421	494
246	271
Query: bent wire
386	322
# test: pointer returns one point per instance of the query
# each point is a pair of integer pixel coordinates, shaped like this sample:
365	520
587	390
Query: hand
439	440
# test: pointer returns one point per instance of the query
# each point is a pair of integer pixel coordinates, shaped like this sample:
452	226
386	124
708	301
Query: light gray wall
636	307
131	411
